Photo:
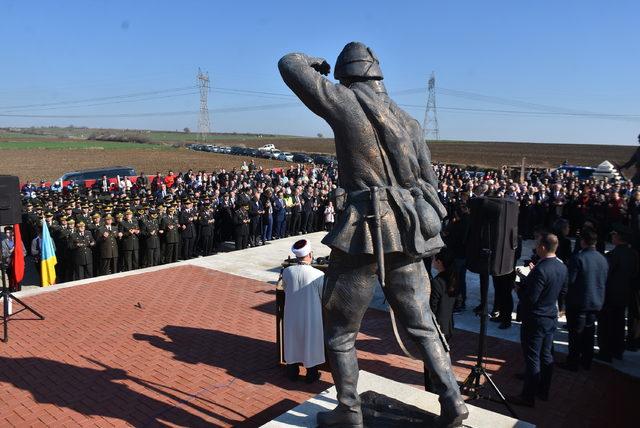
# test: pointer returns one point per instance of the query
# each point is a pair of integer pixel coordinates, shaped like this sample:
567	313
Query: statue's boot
341	417
453	409
344	368
452	412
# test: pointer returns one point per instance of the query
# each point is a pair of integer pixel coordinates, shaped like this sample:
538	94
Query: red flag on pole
17	261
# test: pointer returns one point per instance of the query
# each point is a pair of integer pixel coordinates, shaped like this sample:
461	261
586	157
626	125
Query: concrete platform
304	415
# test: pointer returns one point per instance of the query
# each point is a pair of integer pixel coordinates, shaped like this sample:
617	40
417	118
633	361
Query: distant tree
319	134
186	130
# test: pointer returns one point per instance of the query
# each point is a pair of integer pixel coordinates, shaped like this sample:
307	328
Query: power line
110	102
150	114
113	97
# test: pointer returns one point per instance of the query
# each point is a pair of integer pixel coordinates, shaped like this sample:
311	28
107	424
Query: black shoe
495	319
504	325
568	366
312	375
293	371
519	400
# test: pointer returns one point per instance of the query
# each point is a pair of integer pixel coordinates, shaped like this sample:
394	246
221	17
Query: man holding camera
539	311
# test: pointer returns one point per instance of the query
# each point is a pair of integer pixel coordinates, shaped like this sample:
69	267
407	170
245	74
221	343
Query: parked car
285	156
582	172
323	160
268	147
302	158
95	174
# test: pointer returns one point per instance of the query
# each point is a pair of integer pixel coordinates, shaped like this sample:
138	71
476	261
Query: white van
268	148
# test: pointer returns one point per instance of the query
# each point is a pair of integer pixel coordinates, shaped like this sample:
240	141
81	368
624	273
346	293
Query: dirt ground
51	164
38	163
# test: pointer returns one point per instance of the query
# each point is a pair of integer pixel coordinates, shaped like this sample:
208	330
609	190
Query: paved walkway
187	345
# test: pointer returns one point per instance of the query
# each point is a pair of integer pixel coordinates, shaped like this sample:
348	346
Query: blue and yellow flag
48	257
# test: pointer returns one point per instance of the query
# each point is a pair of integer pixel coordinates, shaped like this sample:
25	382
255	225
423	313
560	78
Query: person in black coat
538	296
188	235
256	210
241	226
623	271
444	289
585	296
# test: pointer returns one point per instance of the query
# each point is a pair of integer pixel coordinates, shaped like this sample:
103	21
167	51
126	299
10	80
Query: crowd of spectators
131	222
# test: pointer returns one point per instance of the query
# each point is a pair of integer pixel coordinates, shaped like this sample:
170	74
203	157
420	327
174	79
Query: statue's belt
365	195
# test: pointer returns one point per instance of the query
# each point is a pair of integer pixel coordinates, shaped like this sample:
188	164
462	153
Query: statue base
387	403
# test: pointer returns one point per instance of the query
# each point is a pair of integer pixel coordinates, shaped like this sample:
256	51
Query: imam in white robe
303	333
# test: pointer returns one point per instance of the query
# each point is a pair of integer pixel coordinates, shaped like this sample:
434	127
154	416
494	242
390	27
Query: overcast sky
544	71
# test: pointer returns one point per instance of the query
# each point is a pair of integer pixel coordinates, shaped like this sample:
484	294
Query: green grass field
77	145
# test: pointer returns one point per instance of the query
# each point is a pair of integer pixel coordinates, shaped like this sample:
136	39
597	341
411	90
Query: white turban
301	248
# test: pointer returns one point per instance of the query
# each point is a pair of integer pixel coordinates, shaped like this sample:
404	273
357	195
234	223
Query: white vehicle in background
267	148
275	154
286	156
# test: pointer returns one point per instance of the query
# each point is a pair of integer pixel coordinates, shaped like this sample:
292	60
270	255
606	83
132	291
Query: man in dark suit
279	215
255	216
623	271
538	305
307	210
585	297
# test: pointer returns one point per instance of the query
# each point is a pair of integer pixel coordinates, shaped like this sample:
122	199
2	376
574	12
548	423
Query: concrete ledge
304	415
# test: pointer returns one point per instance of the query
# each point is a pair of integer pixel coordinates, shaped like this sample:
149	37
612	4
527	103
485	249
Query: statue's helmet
357	61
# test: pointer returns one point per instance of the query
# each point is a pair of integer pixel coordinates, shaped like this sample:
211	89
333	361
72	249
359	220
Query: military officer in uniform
150	229
241	225
187	230
81	242
169	228
94	227
129	229
108	246
206	222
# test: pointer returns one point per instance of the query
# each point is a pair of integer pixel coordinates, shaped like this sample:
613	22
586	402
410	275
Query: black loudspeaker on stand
493	239
10	214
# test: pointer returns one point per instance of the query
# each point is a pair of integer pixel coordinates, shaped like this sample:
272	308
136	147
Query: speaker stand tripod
5	295
472	386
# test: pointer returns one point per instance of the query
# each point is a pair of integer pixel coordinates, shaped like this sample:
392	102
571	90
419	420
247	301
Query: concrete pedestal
304	415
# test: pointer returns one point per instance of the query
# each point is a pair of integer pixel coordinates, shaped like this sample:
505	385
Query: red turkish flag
17	263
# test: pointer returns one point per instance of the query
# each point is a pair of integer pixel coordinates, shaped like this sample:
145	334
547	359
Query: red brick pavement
188	346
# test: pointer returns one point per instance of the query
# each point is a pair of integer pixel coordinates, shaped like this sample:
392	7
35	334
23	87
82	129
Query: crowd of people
593	281
131	222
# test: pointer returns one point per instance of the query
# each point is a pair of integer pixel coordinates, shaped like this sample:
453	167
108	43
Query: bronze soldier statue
634	160
389	190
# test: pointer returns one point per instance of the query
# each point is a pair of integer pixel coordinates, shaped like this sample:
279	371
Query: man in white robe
303	333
